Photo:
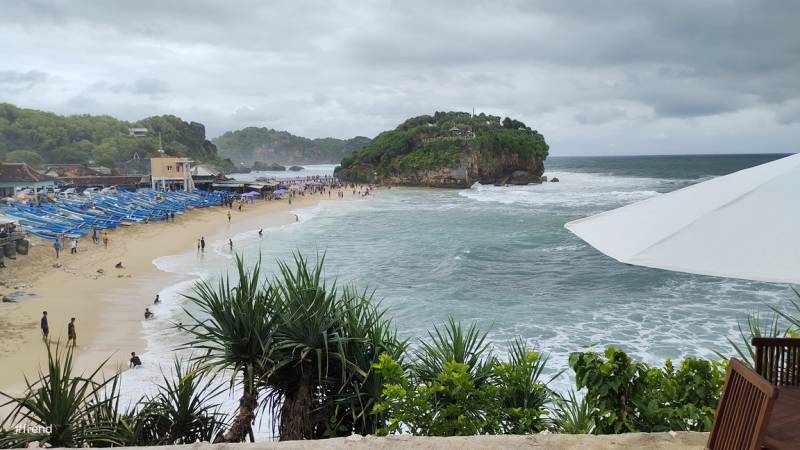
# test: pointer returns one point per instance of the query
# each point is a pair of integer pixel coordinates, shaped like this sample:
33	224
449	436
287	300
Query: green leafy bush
457	388
624	395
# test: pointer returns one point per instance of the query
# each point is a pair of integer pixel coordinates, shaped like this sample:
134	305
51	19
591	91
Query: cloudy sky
614	77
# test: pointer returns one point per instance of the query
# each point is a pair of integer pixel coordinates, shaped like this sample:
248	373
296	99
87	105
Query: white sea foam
575	189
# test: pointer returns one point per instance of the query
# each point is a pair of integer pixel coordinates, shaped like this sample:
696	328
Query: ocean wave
575	189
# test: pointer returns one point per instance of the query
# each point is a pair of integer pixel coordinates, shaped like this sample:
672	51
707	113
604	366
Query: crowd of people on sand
97	236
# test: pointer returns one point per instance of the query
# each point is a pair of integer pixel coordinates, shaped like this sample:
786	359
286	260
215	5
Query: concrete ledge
644	441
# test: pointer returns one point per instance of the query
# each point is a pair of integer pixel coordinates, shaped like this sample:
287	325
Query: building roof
103	180
21	173
70	170
163	154
204	171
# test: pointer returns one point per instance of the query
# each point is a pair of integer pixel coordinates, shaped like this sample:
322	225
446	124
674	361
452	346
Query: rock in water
272	167
16	297
296	168
450	149
554	180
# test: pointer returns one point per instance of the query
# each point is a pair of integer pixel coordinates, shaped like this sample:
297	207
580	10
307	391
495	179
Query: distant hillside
38	137
450	149
267	145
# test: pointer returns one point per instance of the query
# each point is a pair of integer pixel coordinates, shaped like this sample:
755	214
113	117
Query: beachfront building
171	172
204	176
82	176
18	176
137	132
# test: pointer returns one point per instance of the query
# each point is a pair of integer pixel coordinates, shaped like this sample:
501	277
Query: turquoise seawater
500	256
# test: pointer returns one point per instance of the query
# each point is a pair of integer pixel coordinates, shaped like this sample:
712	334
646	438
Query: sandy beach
107	302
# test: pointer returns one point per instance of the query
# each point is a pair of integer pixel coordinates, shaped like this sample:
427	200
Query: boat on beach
73	215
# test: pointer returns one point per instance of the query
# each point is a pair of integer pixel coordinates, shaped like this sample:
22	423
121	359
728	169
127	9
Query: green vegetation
327	362
264	144
456	387
441	140
38	137
64	409
624	396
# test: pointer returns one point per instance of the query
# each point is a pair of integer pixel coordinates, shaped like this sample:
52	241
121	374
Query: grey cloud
343	68
14	81
597	116
149	86
140	86
788	113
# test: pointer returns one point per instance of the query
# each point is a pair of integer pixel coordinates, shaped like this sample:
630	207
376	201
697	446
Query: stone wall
630	441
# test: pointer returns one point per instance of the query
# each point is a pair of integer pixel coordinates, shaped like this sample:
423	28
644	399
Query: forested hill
267	145
450	149
38	137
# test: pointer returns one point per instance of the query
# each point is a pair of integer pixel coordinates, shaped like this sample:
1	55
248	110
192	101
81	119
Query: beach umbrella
743	225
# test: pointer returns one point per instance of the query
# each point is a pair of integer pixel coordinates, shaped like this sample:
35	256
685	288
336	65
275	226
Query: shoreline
109	306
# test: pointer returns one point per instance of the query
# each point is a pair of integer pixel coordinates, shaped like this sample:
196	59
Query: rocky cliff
500	169
450	150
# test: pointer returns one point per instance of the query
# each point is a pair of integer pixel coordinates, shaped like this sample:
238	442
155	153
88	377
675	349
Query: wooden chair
743	411
778	360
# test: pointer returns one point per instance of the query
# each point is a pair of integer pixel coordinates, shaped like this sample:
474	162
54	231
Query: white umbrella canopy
743	225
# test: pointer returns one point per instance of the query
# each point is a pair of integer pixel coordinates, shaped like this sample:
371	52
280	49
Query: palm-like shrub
184	408
370	335
61	409
522	391
325	341
452	343
235	335
571	415
304	346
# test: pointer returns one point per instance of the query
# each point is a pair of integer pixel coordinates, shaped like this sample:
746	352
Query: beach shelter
743	225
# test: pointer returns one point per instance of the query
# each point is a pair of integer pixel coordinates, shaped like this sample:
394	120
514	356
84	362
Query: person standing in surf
44	326
72	336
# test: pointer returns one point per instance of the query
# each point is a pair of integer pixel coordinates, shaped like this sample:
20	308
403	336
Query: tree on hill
440	140
102	140
24	156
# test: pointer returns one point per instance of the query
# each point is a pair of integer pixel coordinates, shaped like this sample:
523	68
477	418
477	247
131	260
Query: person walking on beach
157	300
71	335
94	236
260	232
202	244
57	246
73	246
135	361
44	326
230	243
105	239
148	314
229	217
